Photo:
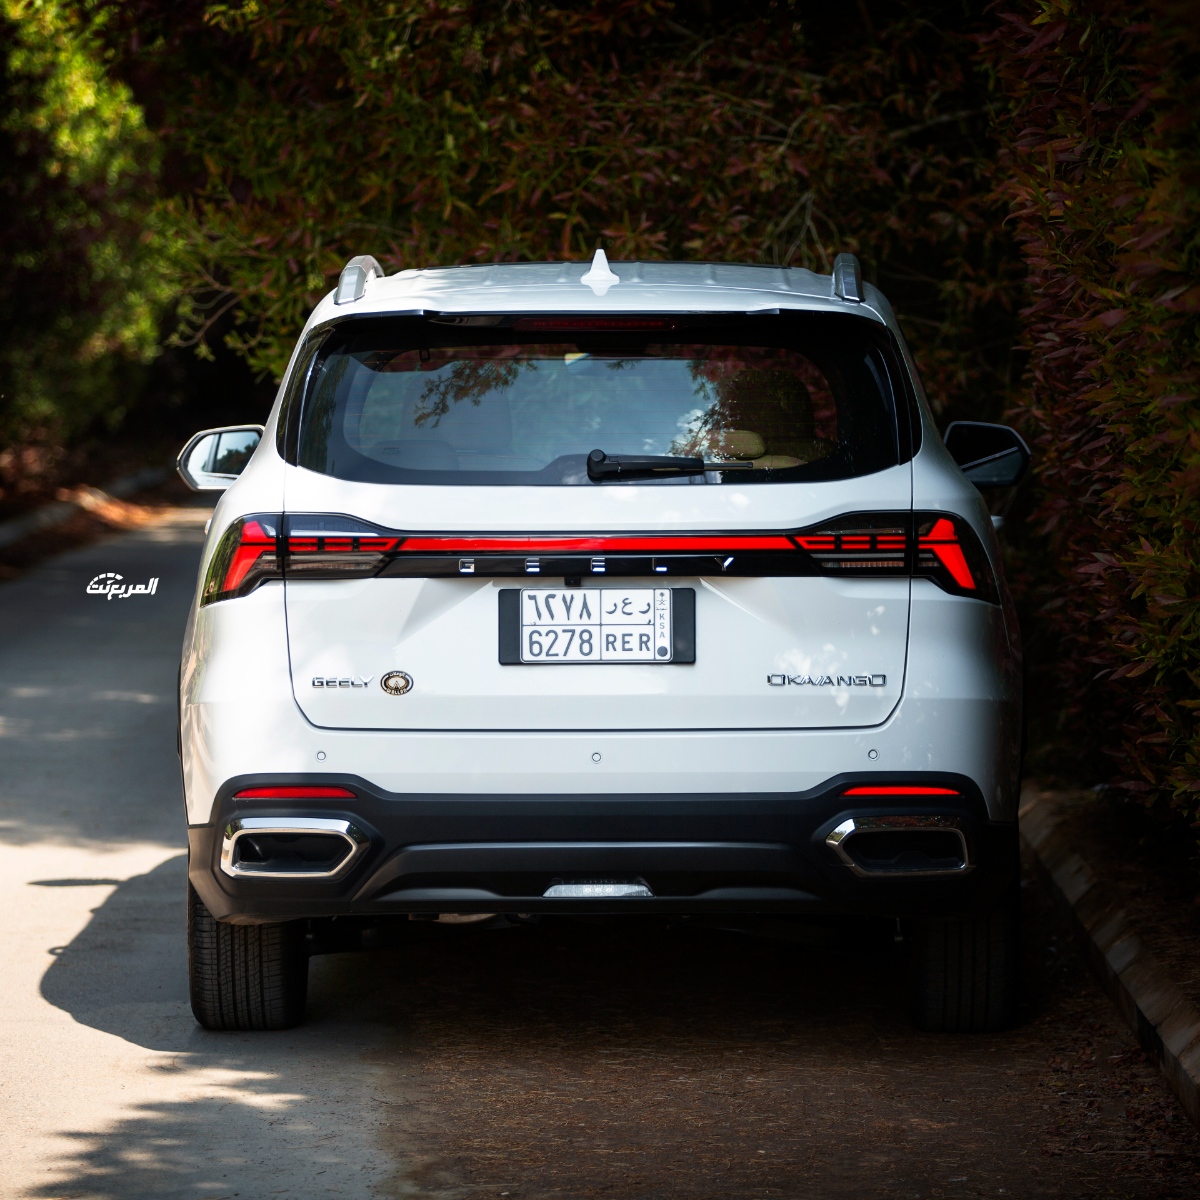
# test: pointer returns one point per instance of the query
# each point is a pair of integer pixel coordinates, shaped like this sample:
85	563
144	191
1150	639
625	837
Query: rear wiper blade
628	466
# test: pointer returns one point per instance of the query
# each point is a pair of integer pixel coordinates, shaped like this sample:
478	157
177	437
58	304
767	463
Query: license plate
584	625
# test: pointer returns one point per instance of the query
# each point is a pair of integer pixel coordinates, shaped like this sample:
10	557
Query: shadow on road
247	1115
577	1059
344	1102
126	972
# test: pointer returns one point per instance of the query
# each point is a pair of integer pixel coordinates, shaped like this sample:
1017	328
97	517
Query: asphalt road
562	1060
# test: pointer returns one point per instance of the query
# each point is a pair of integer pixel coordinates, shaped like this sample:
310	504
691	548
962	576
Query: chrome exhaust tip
290	847
901	844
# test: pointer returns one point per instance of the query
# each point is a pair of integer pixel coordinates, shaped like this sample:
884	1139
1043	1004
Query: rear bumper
703	853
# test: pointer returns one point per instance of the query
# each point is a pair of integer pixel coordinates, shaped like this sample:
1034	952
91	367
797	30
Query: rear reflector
900	790
294	792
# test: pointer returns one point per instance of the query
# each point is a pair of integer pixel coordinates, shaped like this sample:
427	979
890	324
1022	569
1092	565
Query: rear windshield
769	399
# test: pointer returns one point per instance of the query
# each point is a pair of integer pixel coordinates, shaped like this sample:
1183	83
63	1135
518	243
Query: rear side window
523	402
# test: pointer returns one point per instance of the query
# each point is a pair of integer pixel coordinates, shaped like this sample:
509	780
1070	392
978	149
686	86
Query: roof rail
352	282
847	278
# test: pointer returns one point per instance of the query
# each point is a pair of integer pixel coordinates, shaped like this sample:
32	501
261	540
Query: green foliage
1103	126
82	282
976	160
433	132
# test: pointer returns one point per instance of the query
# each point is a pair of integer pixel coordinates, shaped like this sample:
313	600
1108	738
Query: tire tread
964	973
245	977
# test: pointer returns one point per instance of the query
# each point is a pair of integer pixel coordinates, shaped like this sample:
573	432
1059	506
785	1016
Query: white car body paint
951	702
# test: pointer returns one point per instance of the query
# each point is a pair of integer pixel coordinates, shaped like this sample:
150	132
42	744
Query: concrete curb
1166	1022
50	515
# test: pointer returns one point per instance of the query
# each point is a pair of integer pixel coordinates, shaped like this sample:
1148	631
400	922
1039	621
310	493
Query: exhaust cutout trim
241	827
839	839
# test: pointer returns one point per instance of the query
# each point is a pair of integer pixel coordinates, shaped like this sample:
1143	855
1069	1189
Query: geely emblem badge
396	683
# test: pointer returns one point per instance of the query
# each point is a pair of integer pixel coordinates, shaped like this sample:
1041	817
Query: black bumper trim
580	859
708	853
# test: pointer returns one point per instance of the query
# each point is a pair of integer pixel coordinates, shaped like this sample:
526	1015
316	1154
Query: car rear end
543	597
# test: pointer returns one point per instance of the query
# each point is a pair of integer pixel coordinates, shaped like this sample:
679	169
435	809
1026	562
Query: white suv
562	588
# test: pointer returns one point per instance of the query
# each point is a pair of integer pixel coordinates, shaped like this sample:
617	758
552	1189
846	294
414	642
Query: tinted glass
774	399
233	451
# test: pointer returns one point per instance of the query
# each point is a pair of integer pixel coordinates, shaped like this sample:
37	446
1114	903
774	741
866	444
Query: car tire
247	977
963	974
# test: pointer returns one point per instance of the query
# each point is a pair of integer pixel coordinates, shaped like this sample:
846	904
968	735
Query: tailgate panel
771	653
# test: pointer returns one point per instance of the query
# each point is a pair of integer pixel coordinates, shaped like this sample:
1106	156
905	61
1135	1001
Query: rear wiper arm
628	466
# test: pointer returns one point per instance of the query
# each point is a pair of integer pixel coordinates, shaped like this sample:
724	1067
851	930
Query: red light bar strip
900	791
594	545
295	793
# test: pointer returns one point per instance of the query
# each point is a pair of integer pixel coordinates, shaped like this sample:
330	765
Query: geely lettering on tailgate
543	599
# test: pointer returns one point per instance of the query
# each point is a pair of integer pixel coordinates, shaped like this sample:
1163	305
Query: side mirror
214	458
991	456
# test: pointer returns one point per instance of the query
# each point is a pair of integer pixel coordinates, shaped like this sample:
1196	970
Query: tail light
933	546
246	555
269	546
936	546
876	544
949	552
334	547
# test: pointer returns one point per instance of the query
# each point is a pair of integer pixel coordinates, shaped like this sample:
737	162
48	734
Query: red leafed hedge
1102	168
970	155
